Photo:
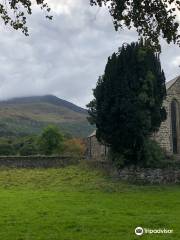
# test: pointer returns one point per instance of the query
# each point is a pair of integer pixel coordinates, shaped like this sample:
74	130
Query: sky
65	56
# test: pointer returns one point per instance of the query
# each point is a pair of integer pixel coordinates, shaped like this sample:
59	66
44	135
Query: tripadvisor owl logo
139	231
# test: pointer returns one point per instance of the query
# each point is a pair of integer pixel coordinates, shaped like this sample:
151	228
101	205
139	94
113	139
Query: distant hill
28	115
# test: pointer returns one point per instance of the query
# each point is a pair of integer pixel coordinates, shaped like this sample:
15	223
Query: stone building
168	135
94	148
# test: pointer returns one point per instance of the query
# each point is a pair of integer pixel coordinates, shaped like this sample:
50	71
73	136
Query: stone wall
153	176
35	161
169	175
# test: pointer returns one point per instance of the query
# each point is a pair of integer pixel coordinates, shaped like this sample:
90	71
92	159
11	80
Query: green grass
76	203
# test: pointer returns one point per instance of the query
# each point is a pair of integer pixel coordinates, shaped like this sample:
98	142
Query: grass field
76	203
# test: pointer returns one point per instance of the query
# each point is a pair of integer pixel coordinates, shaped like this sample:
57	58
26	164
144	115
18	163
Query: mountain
28	115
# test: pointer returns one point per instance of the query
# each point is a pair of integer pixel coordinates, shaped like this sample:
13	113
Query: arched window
174	125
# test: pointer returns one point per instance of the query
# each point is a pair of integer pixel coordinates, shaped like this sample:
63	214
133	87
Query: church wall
95	150
164	136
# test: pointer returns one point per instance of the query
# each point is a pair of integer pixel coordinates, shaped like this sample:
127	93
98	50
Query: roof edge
170	83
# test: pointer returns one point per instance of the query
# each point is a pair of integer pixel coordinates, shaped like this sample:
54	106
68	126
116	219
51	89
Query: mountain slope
28	115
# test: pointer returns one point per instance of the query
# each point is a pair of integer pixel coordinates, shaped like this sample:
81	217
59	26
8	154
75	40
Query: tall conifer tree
127	105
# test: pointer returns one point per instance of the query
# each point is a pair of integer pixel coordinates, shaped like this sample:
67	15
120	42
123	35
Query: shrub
153	154
117	158
6	149
51	141
28	149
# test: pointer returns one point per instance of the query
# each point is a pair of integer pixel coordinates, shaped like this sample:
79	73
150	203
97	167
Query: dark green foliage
28	146
127	107
117	158
21	145
51	141
28	150
152	19
6	149
153	154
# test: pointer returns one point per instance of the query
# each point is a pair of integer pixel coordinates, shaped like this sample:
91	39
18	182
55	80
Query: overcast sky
65	56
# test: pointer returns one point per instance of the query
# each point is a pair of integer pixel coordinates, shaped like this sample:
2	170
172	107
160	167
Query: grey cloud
64	57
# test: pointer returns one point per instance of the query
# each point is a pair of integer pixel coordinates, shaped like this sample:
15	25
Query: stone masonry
94	148
164	135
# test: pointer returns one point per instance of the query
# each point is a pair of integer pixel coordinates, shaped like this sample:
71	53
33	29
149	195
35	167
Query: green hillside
28	115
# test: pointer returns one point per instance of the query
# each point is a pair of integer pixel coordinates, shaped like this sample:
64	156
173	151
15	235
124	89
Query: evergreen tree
127	107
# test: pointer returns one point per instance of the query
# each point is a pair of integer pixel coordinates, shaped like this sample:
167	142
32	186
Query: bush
28	149
117	158
51	141
153	154
26	145
6	149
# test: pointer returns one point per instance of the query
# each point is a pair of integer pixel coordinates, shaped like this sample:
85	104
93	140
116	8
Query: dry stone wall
168	175
35	161
153	176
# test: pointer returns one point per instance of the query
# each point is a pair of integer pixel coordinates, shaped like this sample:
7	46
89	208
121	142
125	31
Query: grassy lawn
76	203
